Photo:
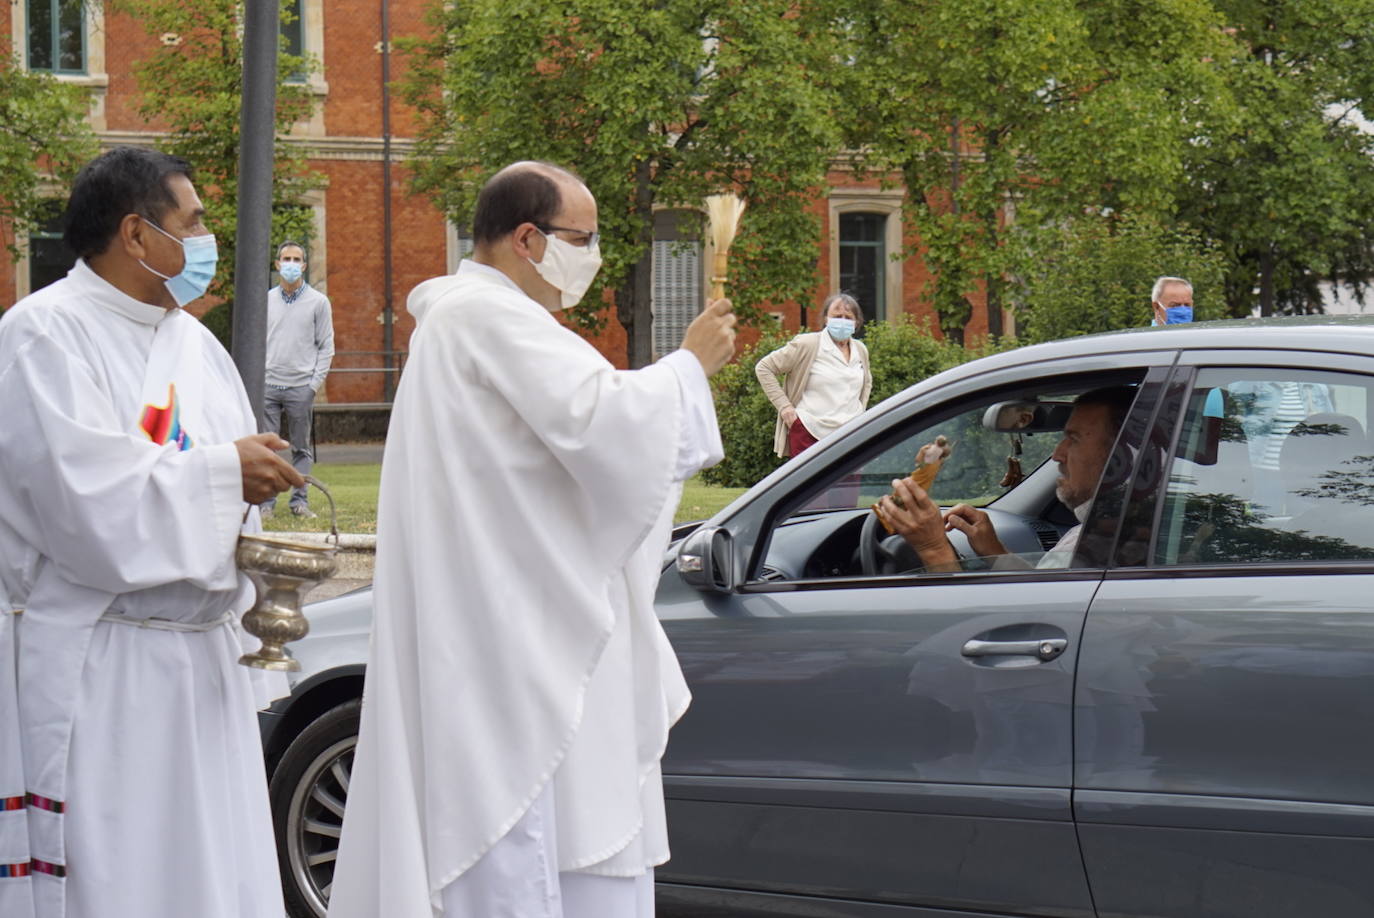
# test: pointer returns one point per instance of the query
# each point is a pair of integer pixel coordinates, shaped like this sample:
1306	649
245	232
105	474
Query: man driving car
1081	454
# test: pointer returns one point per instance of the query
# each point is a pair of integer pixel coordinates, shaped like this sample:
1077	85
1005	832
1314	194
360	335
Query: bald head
523	192
524	209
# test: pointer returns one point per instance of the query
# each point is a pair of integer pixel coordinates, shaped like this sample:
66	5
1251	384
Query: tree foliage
193	82
655	103
1095	275
43	138
1288	189
1013	121
1000	115
746	418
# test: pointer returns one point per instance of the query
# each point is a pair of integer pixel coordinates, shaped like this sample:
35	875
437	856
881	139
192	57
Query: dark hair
122	181
1117	399
526	194
849	300
290	243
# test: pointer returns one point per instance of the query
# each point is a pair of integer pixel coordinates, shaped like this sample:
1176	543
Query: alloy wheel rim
315	821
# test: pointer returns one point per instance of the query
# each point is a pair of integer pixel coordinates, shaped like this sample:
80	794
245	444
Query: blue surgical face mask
840	328
201	255
290	271
1176	315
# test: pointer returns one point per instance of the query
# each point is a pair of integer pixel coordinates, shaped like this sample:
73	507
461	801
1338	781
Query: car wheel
308	791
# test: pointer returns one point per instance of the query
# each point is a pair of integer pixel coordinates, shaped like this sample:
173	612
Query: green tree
1288	190
1095	275
43	138
746	418
194	83
655	103
1000	115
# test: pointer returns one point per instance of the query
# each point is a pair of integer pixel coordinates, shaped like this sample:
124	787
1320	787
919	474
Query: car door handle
1045	649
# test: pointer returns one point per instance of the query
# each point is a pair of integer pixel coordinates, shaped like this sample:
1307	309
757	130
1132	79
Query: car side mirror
706	560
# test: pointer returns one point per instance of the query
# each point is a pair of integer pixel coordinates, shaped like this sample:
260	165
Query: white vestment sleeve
698	444
110	511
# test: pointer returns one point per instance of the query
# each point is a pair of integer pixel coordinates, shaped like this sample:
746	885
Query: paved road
333	587
348	453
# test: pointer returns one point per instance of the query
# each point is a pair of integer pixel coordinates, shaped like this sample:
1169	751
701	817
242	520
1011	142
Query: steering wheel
880	553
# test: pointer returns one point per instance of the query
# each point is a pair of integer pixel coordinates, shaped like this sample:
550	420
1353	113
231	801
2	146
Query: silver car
1170	719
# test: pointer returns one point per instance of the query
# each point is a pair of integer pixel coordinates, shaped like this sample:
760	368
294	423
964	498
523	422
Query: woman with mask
827	378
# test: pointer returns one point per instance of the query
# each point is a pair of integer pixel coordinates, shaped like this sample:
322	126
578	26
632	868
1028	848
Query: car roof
1353	334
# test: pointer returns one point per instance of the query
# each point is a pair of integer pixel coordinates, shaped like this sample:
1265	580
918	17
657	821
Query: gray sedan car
1166	714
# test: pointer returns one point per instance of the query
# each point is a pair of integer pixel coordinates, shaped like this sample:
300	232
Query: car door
1226	677
842	742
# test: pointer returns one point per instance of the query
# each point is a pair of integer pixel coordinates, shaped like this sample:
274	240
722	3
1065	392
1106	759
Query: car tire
308	791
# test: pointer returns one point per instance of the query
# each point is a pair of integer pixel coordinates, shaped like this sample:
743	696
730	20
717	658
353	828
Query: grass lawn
354	488
701	501
355	492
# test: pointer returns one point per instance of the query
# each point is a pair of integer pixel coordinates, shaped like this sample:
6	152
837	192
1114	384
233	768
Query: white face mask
569	268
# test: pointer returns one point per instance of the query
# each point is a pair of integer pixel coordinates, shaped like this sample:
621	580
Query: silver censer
283	571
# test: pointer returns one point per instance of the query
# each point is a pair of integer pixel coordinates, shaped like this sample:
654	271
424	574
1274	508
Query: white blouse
833	389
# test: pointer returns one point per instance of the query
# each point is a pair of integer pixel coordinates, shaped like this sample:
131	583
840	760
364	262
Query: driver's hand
917	518
977	525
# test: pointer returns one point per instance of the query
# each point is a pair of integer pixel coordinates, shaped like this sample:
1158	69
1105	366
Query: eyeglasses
590	240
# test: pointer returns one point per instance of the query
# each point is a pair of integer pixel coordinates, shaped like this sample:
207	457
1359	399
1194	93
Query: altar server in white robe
131	771
519	688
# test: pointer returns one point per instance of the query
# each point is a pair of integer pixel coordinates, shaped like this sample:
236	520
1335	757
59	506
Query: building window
293	33
676	282
57	35
458	245
49	257
863	261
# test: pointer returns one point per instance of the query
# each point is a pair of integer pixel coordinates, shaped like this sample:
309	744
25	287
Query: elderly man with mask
1171	301
519	687
1081	455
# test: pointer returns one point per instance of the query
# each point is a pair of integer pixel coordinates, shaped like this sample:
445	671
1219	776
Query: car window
993	453
958	460
1271	465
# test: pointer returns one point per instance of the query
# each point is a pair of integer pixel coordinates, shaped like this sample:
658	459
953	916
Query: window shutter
676	292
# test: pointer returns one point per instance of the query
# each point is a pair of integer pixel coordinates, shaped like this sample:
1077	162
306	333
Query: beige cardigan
794	360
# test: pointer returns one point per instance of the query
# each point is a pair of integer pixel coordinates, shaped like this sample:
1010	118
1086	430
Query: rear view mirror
706	560
1025	416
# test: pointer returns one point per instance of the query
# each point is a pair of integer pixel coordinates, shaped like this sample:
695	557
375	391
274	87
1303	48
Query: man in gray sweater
300	346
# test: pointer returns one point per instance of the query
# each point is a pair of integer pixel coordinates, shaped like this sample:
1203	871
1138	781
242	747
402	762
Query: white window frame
875	201
95	78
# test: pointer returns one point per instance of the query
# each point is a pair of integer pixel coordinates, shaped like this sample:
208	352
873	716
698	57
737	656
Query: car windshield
960	459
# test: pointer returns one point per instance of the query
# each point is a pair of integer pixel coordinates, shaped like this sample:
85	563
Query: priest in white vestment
131	770
519	687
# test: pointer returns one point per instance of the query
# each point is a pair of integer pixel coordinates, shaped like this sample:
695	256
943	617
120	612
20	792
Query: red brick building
350	248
